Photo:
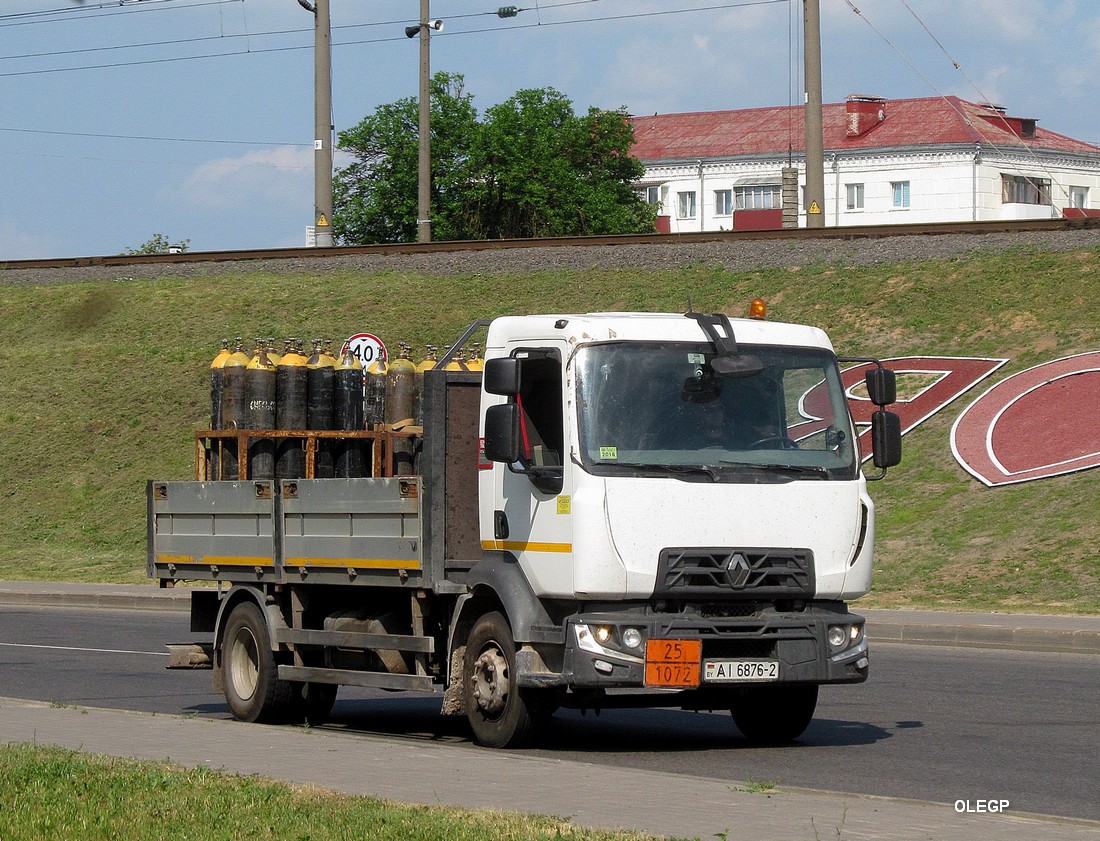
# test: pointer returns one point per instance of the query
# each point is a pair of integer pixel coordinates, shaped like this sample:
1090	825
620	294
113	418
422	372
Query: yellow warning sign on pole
322	221
814	208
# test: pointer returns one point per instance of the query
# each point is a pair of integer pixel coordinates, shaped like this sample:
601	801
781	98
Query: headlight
632	637
603	633
837	635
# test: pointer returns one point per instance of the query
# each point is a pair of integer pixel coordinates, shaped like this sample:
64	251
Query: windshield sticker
696	358
609	453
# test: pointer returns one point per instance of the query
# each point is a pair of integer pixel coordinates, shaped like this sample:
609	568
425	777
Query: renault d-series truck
620	510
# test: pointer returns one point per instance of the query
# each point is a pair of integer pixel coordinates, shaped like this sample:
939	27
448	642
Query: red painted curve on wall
1038	423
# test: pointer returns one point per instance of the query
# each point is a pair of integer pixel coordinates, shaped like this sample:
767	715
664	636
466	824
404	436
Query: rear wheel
249	672
774	714
500	714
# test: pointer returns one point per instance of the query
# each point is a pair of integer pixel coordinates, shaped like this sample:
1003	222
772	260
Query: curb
1067	641
114	597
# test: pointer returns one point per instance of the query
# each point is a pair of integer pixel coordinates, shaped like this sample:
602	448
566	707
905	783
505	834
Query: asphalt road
932	723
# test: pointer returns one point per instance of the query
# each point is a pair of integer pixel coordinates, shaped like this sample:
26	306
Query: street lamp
424	163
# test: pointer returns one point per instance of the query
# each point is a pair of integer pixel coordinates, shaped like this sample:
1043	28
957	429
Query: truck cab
684	506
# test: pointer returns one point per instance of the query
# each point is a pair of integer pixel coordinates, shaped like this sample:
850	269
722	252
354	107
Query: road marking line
75	648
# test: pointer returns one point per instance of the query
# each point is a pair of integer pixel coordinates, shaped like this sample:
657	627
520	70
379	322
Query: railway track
845	233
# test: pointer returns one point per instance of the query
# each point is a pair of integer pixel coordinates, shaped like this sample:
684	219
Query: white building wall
953	185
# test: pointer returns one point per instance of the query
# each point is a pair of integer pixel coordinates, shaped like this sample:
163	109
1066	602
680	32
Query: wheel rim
490	682
244	664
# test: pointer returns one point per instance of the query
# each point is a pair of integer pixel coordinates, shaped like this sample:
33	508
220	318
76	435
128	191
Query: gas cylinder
458	361
273	354
259	385
320	384
400	391
217	380
348	415
291	410
234	407
217	384
418	394
375	404
475	363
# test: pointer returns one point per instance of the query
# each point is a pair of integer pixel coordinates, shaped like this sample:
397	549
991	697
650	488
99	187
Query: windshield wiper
662	467
796	469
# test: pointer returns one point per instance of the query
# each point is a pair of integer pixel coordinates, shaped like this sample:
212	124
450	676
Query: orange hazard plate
672	662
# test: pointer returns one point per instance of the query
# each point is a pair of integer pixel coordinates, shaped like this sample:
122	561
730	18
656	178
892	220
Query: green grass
52	793
104	383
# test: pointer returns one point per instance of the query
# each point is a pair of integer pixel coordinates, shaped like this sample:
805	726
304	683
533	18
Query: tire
500	715
249	672
771	715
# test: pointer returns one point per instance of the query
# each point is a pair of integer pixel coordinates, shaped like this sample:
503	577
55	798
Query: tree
547	172
159	244
376	195
531	168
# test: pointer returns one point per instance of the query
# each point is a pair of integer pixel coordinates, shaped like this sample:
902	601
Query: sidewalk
1022	632
435	773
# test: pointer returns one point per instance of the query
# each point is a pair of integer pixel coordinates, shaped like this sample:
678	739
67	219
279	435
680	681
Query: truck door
531	496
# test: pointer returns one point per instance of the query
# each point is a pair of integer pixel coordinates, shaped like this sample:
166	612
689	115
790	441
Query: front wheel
500	715
774	714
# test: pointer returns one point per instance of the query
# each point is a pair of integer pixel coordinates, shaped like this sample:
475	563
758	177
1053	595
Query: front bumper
596	655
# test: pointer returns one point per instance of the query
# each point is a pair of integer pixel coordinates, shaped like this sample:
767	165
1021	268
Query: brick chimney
864	113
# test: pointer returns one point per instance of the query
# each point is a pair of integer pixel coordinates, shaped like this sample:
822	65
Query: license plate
672	662
720	671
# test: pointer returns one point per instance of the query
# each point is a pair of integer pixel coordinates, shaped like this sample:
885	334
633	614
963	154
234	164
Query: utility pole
815	143
322	120
424	161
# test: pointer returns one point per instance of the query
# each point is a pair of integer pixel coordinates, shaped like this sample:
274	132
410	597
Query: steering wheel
779	442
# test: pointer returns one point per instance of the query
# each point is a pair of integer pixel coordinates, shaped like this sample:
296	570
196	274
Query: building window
723	203
1079	197
650	195
1020	189
855	196
685	205
758	197
900	190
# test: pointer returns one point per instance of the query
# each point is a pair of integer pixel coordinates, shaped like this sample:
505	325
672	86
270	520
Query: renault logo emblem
737	571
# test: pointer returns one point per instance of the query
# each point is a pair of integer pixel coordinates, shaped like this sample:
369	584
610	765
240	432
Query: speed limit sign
367	348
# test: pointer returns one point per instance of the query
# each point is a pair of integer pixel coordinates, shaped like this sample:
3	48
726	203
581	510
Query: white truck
623	509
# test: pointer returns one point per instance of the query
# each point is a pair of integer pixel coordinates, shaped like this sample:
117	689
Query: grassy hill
104	382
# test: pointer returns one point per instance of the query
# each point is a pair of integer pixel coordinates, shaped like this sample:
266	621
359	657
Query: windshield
659	408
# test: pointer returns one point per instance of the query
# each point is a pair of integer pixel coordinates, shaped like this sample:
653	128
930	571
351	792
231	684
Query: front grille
753	573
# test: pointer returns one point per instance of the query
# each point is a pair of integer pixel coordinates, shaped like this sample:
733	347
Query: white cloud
279	175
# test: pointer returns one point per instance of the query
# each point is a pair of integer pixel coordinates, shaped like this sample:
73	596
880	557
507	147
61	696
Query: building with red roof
936	159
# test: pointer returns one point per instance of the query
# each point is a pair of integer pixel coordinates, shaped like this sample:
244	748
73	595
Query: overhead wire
986	138
395	38
107	10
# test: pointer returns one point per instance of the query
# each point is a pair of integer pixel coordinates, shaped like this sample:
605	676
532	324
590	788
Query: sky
121	120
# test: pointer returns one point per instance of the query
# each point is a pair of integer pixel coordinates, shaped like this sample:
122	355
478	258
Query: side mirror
502	376
885	439
882	386
502	431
